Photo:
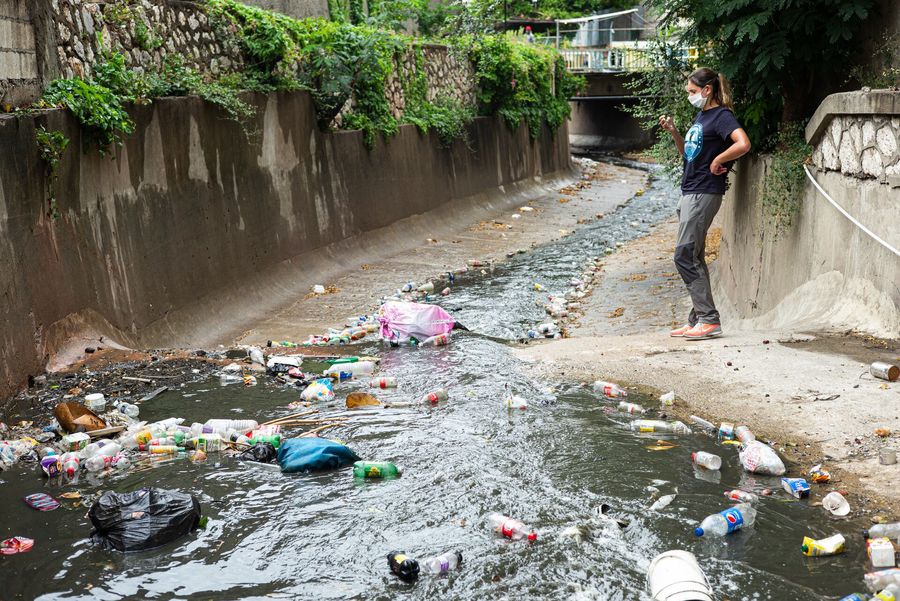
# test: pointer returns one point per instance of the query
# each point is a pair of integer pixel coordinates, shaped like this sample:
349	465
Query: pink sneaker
680	332
702	331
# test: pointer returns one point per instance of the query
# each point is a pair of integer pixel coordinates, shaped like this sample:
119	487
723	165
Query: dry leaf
71	495
361	399
637	277
883	432
617	312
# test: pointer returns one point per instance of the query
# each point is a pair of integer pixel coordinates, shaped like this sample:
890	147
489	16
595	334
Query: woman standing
709	148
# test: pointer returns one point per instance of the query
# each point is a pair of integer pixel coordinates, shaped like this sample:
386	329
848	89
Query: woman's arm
740	147
668	124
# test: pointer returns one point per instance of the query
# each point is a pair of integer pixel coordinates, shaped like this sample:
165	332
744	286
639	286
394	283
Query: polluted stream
327	535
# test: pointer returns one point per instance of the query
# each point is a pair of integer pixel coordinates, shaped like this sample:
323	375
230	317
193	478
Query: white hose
848	215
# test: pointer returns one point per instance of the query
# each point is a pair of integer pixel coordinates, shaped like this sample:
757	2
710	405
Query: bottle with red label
510	528
435	396
741	496
609	390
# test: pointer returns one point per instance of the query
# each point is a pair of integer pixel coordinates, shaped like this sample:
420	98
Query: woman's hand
716	168
667	123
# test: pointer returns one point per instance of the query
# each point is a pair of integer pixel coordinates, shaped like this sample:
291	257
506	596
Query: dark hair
721	90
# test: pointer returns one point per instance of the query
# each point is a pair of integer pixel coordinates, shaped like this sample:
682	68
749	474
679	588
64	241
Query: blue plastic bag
313	454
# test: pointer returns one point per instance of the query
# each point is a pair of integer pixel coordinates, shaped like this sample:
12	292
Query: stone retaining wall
19	75
858	134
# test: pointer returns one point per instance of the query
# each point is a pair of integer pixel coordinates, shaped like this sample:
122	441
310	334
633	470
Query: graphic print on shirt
693	142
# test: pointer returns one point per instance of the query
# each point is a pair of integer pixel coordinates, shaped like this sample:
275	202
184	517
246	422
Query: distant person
528	35
709	149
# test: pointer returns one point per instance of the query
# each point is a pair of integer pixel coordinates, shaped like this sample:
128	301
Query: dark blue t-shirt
707	138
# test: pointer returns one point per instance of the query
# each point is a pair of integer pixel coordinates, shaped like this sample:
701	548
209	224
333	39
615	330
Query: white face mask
698	100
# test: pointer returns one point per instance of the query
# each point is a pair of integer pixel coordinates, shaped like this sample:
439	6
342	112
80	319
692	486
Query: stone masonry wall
862	146
148	31
19	77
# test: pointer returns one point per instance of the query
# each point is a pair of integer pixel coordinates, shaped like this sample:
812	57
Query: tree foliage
782	56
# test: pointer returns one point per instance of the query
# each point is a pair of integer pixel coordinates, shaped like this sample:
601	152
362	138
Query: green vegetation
51	145
881	71
782	189
446	116
782	58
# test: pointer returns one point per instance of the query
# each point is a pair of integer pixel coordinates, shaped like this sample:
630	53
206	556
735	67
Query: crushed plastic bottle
760	458
706	460
101	447
631	408
727	521
256	355
743	434
891	530
443	563
383	383
435	396
510	528
823	547
876	581
609	390
741	496
659	426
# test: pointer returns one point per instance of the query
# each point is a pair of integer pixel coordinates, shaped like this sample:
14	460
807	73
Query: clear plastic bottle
223	425
442	563
128	409
741	496
100	447
707	460
100	462
383	383
359	368
891	530
510	528
515	402
439	340
631	408
226	379
743	434
609	390
876	581
726	522
659	426
70	464
435	396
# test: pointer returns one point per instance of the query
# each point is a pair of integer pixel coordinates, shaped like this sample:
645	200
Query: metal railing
615	60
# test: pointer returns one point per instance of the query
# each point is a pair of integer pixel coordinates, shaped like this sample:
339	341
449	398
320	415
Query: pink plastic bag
400	321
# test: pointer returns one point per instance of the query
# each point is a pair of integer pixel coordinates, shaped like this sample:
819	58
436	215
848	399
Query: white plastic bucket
95	402
676	576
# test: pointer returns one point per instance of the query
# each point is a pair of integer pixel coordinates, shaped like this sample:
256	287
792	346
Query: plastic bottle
726	522
256	355
744	434
510	528
707	460
209	443
609	390
435	396
98	463
889	593
383	383
659	426
439	340
442	563
703	423
631	408
128	409
855	597
405	568
891	530
238	425
358	368
166	450
876	581
741	496
101	447
427	287
820	548
273	439
226	379
70	464
375	469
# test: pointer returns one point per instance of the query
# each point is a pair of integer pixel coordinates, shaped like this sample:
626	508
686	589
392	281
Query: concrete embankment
196	225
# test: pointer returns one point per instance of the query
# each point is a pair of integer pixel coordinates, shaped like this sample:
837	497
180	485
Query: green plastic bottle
272	439
375	469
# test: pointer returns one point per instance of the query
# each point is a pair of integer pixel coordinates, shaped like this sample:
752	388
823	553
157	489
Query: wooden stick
133	379
288	417
315	431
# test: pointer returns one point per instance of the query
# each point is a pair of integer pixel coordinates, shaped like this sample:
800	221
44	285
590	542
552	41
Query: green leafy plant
446	116
51	146
97	108
177	79
145	37
881	70
785	180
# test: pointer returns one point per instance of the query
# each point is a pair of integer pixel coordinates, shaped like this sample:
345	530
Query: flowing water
326	536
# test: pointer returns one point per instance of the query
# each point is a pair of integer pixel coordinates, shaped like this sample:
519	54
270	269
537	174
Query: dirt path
810	394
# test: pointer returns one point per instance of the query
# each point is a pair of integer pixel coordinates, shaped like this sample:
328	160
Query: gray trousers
695	215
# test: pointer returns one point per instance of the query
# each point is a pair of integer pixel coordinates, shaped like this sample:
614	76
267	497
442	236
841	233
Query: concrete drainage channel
553	466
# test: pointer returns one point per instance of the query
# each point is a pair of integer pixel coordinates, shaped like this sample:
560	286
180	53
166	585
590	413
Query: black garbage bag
263	452
142	519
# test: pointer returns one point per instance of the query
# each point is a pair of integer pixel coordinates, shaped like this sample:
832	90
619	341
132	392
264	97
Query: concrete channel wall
197	225
825	273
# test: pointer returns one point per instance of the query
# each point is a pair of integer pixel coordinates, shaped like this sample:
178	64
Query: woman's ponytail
705	76
723	96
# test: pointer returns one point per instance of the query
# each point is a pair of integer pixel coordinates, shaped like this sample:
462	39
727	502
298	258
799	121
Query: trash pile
675	574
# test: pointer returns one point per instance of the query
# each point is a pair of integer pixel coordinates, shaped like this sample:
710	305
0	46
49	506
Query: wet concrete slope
193	204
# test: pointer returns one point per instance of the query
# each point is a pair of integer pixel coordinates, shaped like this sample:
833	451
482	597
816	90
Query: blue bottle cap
698	531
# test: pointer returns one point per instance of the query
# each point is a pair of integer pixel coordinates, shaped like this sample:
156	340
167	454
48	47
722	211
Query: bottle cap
532	536
698	531
804	548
